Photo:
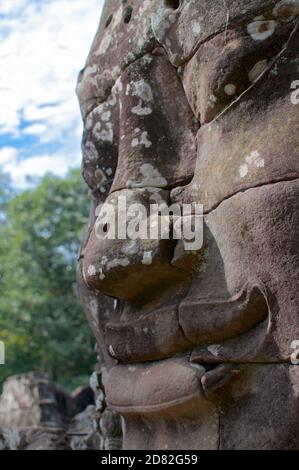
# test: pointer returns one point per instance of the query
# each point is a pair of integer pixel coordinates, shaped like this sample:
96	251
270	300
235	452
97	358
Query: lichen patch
260	29
257	70
252	160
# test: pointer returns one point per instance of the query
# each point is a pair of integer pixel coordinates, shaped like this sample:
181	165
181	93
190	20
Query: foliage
41	321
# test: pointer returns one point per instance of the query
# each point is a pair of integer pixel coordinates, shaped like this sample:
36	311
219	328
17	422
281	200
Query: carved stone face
188	101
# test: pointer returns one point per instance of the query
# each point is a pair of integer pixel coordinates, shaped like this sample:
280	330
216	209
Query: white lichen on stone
106	116
117	262
161	22
90	151
140	110
260	29
104	45
212	100
117	17
104	135
91	270
142	140
144	92
196	27
214	349
111	351
253	159
243	170
257	70
90	70
230	89
150	177
130	248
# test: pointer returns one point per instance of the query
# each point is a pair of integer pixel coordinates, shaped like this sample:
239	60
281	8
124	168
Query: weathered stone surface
33	438
10	439
193	102
151	155
182	26
122	38
34	400
85	422
264	398
242	148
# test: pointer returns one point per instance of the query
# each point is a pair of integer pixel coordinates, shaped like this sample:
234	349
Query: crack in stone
238	23
168	187
259	185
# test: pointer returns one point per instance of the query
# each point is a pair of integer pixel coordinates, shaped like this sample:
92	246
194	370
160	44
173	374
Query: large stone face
192	102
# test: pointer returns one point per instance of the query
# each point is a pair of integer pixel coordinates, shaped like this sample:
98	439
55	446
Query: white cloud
36	166
11	7
35	129
43	45
7	154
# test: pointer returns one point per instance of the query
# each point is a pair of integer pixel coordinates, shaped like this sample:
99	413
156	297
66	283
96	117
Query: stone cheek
246	248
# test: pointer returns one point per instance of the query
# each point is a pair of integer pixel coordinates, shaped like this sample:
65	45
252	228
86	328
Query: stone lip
172	386
165	332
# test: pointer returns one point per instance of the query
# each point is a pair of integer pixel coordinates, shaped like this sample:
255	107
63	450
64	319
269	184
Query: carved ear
219	320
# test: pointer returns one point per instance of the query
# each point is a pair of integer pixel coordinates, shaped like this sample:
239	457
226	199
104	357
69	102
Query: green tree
41	320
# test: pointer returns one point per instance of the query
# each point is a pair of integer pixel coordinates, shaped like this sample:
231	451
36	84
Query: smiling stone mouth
166	332
167	385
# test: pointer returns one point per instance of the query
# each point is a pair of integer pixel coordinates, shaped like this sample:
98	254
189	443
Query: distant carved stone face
197	102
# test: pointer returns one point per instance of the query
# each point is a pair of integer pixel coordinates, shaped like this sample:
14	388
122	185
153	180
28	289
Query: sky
43	45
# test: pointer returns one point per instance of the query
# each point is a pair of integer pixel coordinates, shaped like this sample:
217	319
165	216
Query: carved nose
131	258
